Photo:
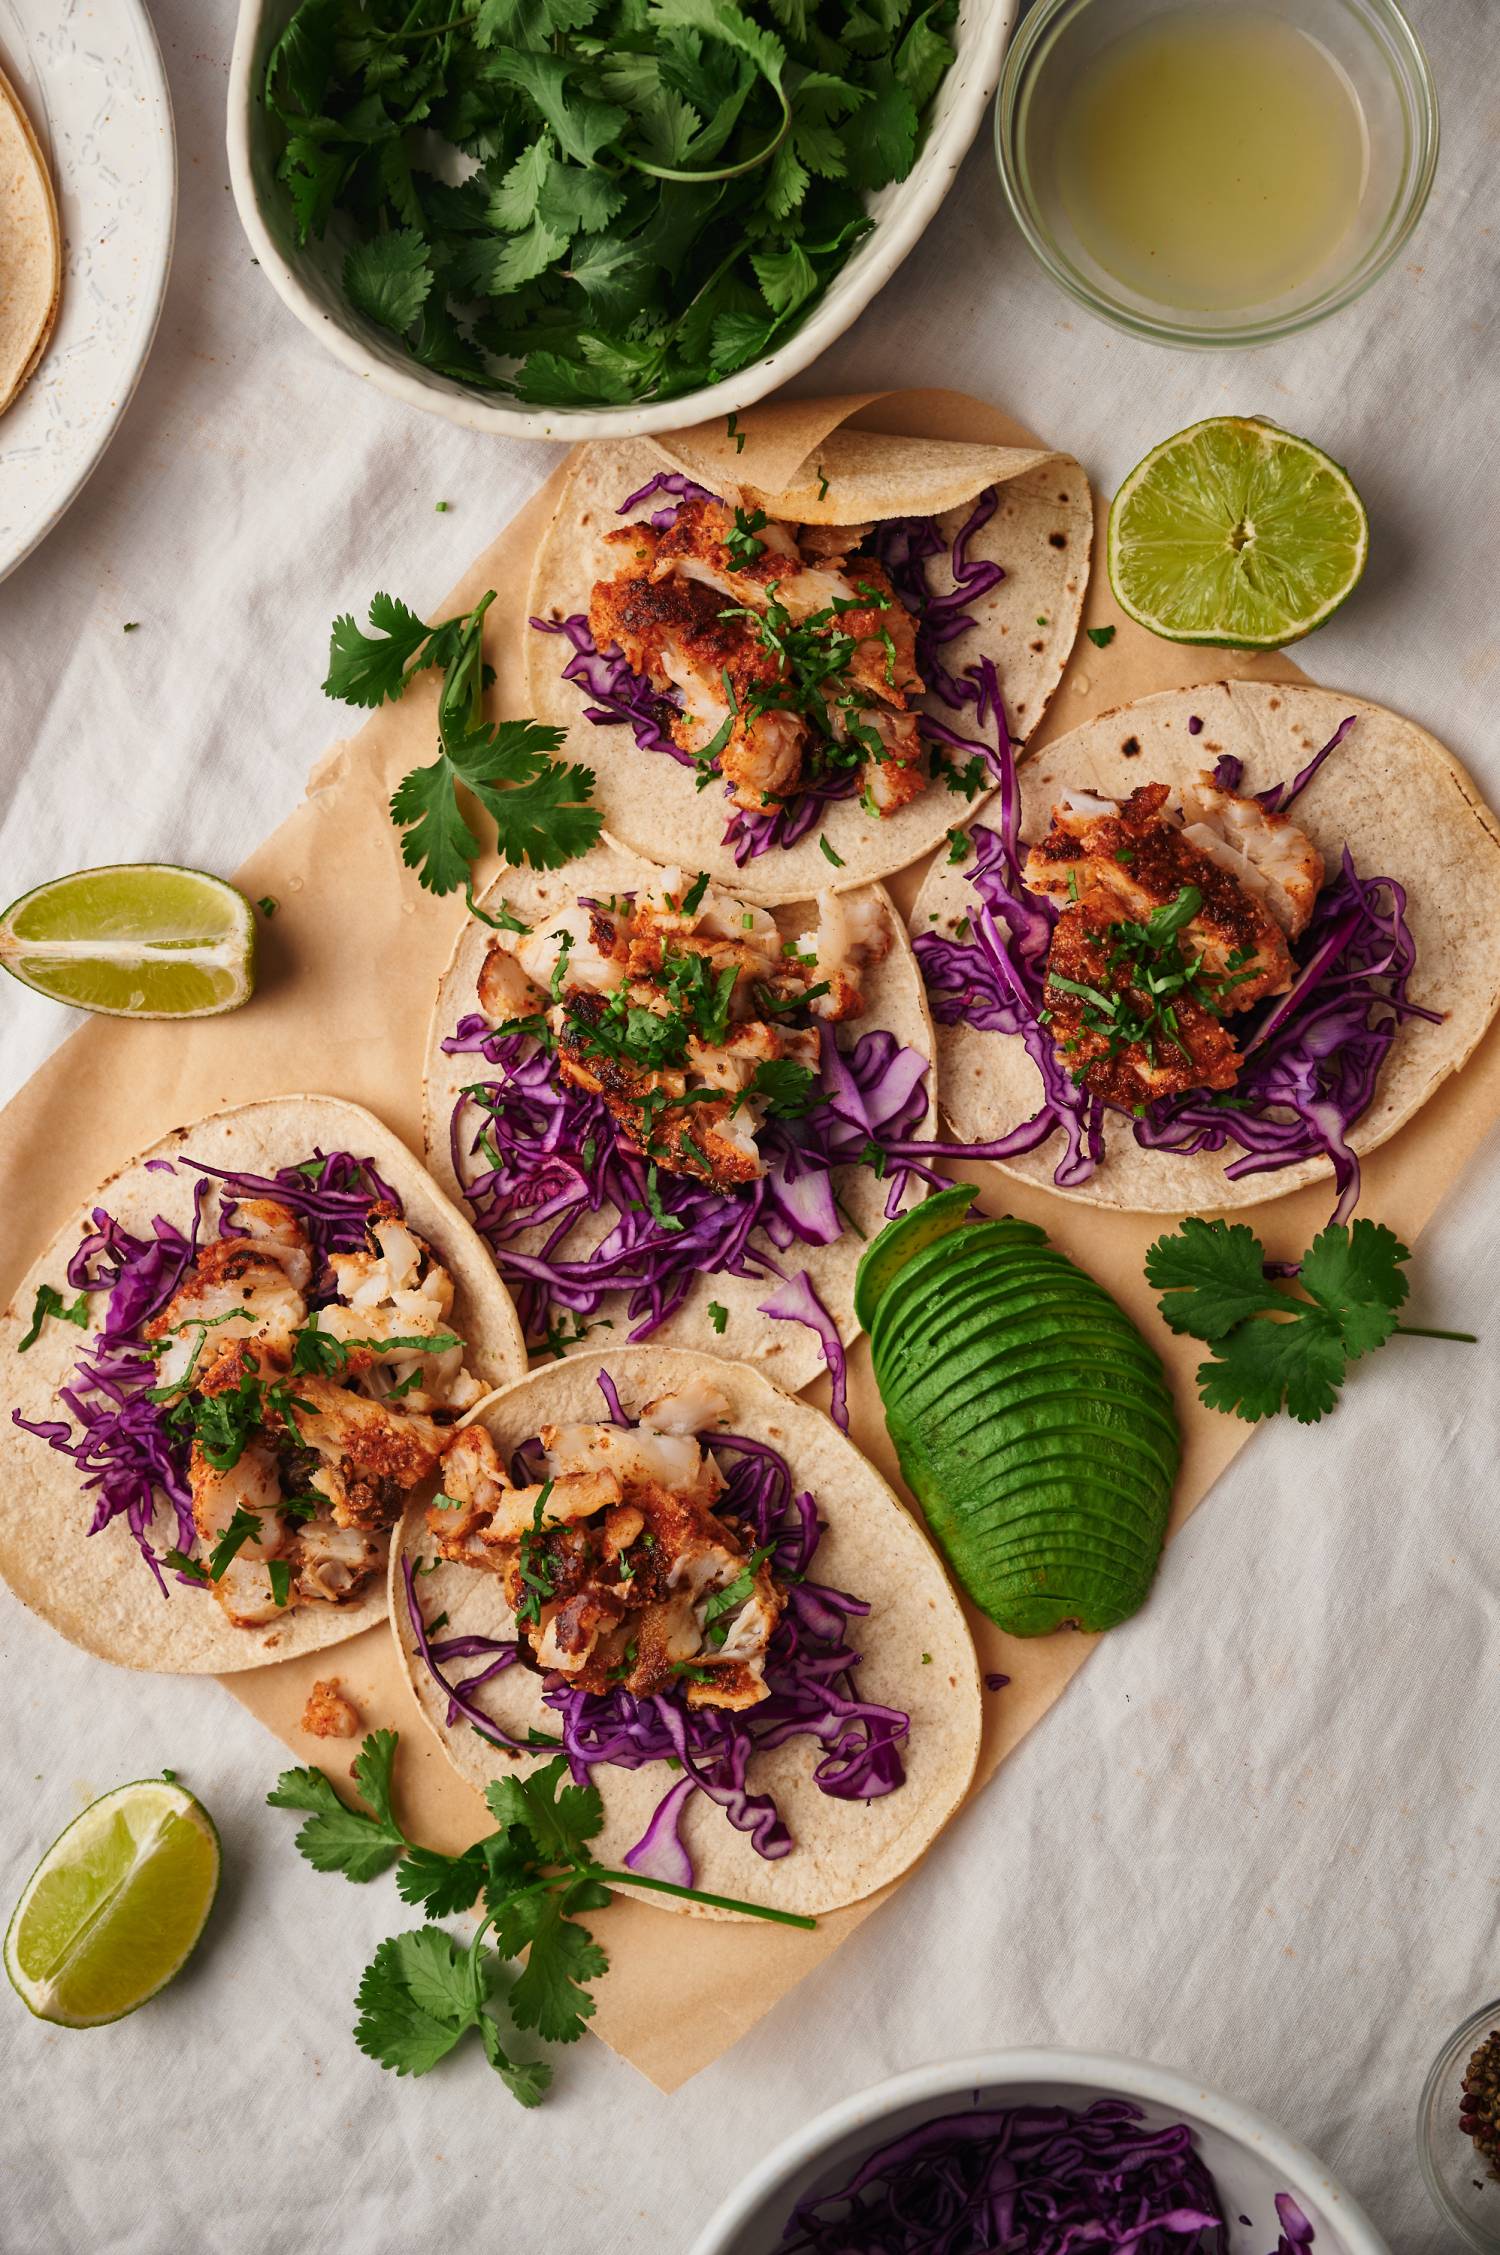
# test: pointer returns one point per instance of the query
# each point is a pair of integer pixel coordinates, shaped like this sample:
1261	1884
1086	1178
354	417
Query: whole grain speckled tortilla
1406	809
30	247
1041	534
917	1654
894	999
97	1590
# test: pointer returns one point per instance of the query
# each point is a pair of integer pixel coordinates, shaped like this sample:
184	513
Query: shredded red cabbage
132	1462
535	1153
1312	1057
904	546
809	1668
1031	2180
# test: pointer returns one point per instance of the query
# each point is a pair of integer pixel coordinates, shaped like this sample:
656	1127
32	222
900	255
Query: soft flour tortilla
30	247
894	999
917	1655
96	1590
1406	810
1041	533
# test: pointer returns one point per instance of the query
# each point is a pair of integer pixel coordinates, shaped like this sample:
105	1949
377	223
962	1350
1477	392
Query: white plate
90	74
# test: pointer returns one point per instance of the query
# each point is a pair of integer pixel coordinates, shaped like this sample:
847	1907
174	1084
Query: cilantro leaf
366	669
372	1774
786	277
443	1885
388	278
549	1993
581	122
540	807
1356	1274
881	136
415	2001
560	1819
336	1838
437	842
1213	1273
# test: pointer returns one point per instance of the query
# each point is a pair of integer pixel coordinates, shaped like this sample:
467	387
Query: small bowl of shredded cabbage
1039	2153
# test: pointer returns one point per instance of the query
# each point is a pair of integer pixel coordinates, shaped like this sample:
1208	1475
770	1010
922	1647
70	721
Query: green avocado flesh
1032	1421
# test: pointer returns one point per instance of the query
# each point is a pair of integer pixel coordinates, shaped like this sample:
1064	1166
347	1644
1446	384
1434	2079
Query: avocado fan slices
1031	1420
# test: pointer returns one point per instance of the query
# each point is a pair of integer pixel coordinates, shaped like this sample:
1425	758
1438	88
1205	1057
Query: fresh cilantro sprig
1274	1346
659	191
539	805
424	1990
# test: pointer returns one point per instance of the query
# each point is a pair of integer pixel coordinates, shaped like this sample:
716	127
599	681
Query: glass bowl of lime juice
1216	172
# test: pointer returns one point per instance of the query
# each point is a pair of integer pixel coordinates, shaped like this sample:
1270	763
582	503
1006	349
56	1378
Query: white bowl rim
897	233
1301	2172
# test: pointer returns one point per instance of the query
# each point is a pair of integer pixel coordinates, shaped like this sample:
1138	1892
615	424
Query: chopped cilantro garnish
50	1302
1100	636
718	1315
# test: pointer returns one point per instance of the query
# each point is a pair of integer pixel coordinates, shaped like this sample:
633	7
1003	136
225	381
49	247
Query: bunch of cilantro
425	1990
585	202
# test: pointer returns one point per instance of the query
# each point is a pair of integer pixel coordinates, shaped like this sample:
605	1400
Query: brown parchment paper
348	971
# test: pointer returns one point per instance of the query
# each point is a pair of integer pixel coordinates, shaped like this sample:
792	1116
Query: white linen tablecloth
1259	1839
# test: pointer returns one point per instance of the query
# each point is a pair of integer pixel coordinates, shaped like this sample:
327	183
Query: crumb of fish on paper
329	1713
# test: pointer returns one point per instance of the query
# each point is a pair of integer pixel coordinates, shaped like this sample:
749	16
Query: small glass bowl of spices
1458	2131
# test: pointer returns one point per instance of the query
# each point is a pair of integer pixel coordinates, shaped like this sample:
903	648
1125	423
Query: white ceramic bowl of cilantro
1249	2158
308	280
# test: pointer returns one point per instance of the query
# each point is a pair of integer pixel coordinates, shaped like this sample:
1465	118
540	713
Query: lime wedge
115	1906
137	940
1237	533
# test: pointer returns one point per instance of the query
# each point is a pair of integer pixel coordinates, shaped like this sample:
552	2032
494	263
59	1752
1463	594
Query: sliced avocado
1061	1484
1068	1534
954	1412
968	1457
975	1266
968	1254
996	1313
1032	1421
899	1240
1064	1326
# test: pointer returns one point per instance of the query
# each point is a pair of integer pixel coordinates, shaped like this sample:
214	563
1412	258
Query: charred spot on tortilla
1131	748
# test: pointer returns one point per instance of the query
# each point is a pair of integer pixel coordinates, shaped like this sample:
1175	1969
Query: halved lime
1237	533
115	1906
135	940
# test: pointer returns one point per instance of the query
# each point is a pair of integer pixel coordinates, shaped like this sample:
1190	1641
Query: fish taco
1219	944
695	1587
226	1376
805	688
675	1114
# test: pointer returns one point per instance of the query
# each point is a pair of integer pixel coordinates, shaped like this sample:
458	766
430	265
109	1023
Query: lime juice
1210	158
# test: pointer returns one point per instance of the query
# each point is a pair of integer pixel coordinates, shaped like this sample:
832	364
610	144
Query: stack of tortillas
30	247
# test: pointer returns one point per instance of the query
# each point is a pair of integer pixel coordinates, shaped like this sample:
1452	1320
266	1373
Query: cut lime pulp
136	940
1237	533
116	1905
